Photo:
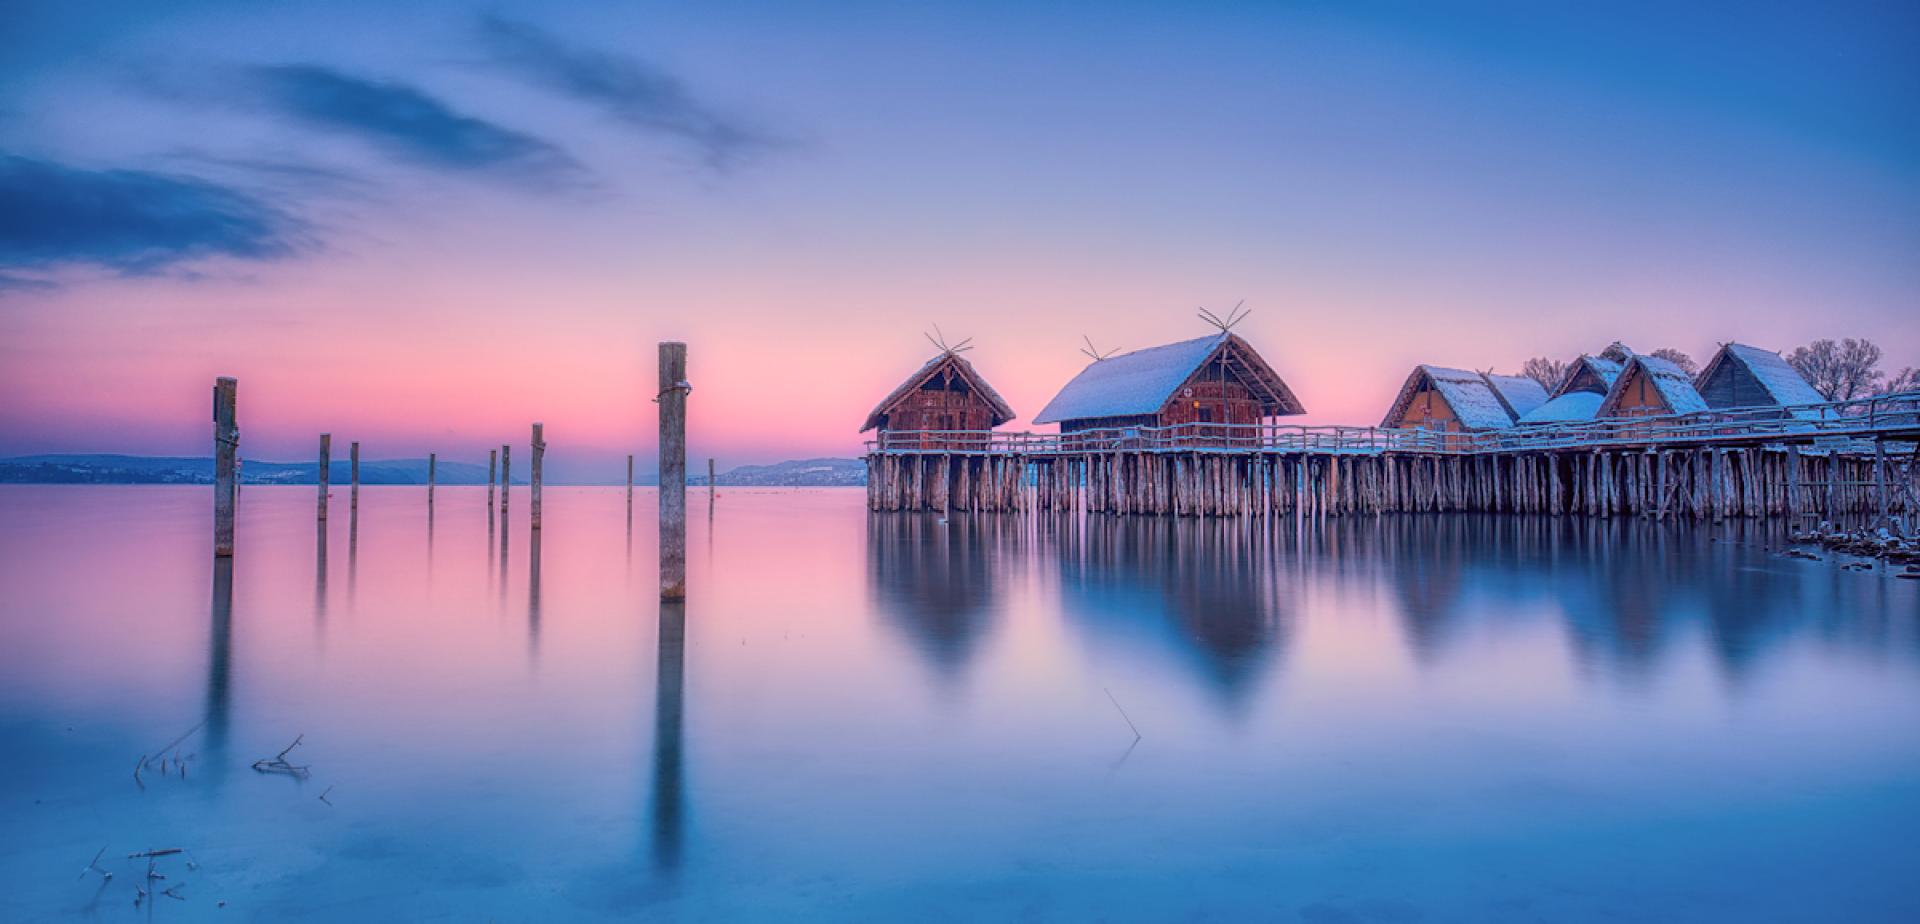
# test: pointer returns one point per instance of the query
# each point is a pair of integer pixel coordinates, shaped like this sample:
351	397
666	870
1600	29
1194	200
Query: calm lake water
861	718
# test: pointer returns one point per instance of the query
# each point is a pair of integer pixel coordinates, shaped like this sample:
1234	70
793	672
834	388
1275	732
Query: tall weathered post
326	470
226	444
672	399
433	460
710	483
506	475
539	447
353	499
493	471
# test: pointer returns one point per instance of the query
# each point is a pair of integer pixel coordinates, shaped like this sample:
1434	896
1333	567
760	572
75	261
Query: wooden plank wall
1692	483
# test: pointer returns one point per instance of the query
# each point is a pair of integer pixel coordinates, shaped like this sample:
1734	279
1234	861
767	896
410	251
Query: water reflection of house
1203	593
936	581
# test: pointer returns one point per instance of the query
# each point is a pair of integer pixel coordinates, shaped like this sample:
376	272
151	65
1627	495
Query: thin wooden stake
226	445
326	470
539	453
672	398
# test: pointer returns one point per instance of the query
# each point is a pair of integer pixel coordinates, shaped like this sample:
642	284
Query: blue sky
320	196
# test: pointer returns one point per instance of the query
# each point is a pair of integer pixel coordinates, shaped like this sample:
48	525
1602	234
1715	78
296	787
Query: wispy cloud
130	221
409	123
635	92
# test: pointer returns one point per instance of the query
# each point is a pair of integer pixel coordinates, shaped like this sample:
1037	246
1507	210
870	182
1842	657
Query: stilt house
1747	376
947	404
1461	401
1650	387
1578	396
1196	385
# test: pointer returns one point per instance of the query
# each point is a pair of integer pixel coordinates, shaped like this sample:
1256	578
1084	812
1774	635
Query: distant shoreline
120	469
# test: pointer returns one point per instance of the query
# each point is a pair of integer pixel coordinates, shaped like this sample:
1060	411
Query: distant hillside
84	468
812	473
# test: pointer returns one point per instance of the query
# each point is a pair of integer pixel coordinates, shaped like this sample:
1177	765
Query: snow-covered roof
1781	381
1675	387
1600	368
1143	381
1520	393
1568	408
1002	411
1468	393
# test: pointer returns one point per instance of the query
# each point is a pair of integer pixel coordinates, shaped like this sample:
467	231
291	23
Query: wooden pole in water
673	470
226	444
506	475
353	499
629	480
326	470
710	488
539	453
433	460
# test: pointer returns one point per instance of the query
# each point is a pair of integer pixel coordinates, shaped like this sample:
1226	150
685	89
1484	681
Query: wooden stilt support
353	470
539	450
226	448
433	462
506	475
672	398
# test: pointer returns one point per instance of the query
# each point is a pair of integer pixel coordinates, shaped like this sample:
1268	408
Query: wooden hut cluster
1208	391
1617	383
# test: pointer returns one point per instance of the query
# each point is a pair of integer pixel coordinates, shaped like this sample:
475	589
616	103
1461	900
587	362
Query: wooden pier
1844	458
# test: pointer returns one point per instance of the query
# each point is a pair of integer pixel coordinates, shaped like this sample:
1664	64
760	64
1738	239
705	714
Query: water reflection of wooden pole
226	444
673	470
533	594
326	470
320	571
539	448
668	732
219	666
504	530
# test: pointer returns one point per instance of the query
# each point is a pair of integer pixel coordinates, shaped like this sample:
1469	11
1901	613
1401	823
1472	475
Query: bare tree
1907	380
1548	372
1617	352
1685	362
1840	371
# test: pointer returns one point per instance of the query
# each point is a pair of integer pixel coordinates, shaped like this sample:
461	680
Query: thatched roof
1674	386
1471	396
1780	381
1568	408
1519	393
1142	382
1598	370
1002	411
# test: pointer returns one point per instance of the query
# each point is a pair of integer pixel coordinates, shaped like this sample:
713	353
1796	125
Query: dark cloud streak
130	221
639	94
409	123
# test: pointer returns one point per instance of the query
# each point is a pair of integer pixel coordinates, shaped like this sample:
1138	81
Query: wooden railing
1881	415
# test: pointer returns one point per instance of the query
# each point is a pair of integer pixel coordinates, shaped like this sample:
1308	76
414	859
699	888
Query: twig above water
278	763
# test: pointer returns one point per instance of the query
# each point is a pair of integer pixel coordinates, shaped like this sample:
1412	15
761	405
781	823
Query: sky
424	226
